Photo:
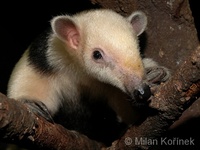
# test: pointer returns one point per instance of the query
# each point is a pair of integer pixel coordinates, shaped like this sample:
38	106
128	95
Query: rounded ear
65	28
138	21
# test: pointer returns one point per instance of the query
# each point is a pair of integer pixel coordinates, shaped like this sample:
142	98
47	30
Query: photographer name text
161	141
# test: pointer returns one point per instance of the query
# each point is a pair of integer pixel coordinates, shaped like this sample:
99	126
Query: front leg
155	74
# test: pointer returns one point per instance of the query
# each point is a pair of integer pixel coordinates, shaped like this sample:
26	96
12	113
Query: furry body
83	70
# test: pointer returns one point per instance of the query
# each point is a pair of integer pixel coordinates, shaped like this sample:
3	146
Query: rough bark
123	7
19	125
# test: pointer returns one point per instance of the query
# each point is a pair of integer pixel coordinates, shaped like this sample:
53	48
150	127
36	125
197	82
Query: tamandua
85	72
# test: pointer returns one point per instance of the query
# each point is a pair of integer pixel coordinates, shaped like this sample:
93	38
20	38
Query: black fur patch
92	117
37	53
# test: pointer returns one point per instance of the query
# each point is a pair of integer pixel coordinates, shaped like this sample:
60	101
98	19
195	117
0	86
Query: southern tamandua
82	71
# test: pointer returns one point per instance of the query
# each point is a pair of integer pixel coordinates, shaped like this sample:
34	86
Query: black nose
143	93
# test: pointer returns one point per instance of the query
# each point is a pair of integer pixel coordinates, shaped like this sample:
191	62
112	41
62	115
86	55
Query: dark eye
97	55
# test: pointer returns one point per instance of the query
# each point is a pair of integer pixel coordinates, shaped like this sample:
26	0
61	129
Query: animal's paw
157	75
38	108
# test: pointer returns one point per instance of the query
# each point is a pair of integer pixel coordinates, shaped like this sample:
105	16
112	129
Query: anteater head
105	45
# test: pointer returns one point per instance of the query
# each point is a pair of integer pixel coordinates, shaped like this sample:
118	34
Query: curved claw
38	108
157	74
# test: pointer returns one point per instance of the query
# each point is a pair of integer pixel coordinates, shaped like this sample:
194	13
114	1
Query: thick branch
21	126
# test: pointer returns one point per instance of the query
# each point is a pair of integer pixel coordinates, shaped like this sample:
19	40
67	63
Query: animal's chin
138	103
138	98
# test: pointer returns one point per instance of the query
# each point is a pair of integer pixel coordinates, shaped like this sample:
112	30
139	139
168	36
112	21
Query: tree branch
20	126
170	100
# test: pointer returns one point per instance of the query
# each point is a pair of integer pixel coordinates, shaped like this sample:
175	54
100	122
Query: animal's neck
59	55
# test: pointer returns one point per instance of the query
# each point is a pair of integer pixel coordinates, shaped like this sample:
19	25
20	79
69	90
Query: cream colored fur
120	73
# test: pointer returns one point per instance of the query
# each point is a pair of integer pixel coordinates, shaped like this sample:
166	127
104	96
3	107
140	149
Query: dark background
21	22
